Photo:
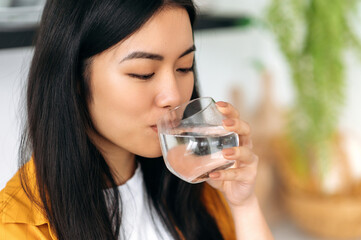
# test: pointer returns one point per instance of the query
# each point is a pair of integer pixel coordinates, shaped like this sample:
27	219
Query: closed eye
185	70
141	76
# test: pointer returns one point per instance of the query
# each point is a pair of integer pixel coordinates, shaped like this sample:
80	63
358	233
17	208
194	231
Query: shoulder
20	218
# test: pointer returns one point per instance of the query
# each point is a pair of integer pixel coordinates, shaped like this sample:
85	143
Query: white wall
14	65
225	60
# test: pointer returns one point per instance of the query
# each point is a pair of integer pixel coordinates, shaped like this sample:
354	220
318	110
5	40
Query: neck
120	161
122	166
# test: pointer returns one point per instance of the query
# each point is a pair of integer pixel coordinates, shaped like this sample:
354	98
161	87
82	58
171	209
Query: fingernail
221	104
228	122
228	151
215	175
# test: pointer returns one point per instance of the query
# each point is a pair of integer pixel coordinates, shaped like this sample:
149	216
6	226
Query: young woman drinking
102	74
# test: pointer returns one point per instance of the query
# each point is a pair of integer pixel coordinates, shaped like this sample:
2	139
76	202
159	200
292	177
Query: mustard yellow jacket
21	219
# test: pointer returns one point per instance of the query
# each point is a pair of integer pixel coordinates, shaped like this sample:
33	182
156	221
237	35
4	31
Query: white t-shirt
137	223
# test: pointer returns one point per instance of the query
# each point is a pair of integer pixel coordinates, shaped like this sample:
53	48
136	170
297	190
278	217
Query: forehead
168	32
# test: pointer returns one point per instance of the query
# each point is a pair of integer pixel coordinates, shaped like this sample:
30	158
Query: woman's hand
236	183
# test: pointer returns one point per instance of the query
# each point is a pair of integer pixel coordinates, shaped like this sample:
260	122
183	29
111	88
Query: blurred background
293	70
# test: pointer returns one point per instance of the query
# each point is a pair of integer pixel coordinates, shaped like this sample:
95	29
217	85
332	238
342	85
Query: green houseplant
313	36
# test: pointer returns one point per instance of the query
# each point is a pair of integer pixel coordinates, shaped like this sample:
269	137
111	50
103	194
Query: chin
148	148
151	153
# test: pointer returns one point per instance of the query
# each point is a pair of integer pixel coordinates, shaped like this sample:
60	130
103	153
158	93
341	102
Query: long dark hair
71	173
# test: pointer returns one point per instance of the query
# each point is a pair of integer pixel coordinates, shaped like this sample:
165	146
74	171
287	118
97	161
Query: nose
169	95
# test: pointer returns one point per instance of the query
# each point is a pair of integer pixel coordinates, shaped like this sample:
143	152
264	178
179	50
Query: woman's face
135	82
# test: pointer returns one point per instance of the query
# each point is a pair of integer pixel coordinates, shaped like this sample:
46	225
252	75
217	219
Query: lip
154	128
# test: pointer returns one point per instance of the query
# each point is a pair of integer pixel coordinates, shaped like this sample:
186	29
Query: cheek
186	88
118	107
116	101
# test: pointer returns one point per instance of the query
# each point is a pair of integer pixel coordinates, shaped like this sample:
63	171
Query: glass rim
190	102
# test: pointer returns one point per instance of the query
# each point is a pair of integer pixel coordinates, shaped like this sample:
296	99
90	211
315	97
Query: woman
103	72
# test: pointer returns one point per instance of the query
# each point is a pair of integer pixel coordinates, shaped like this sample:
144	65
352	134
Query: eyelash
185	70
142	77
148	76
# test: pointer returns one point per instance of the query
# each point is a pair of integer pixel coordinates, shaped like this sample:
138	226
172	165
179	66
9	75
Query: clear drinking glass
192	138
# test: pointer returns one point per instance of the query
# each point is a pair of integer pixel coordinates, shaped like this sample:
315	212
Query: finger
242	155
246	141
242	128
227	109
238	126
235	174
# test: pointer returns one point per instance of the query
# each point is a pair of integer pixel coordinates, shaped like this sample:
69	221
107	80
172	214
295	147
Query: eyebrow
152	56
